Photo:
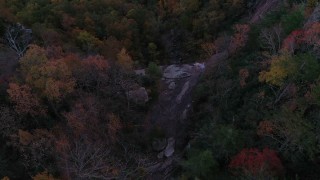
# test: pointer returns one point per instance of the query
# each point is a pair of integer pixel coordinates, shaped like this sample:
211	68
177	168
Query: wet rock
183	92
177	72
159	144
138	96
172	85
199	66
168	152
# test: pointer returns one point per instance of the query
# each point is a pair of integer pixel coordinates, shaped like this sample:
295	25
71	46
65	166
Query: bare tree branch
18	38
88	161
271	38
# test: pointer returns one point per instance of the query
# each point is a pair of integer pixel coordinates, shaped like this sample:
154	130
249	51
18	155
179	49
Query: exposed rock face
172	85
170	113
138	96
141	72
177	72
170	147
183	92
199	66
165	147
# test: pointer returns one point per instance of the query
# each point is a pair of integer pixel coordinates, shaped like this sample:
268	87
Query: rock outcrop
168	152
183	92
139	95
177	71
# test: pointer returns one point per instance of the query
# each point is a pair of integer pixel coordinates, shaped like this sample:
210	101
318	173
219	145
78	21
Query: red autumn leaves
255	163
308	38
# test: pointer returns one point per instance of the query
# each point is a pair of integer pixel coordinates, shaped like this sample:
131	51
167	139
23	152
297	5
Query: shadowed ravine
171	111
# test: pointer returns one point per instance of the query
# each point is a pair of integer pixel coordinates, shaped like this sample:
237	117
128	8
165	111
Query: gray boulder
141	72
139	95
168	152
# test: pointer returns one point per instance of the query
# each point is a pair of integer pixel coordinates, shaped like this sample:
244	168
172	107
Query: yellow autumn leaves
288	67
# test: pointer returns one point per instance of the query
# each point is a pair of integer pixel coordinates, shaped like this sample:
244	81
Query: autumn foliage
293	41
43	176
265	128
25	102
66	107
308	38
255	163
239	39
51	79
243	75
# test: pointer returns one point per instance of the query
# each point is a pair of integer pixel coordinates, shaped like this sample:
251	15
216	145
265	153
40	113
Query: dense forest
81	82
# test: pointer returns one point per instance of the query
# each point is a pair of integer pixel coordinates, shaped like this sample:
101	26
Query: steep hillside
168	89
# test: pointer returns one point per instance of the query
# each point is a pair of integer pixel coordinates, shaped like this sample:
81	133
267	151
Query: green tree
153	51
138	14
190	5
294	135
223	140
292	20
200	165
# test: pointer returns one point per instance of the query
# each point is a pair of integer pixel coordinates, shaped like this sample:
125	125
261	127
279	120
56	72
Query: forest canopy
235	84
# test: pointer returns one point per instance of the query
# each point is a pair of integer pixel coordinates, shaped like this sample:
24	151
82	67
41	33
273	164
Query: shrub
154	71
200	165
292	21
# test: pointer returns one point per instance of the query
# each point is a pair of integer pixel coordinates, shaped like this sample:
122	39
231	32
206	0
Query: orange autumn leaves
265	128
86	117
240	37
232	44
51	79
25	101
42	78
